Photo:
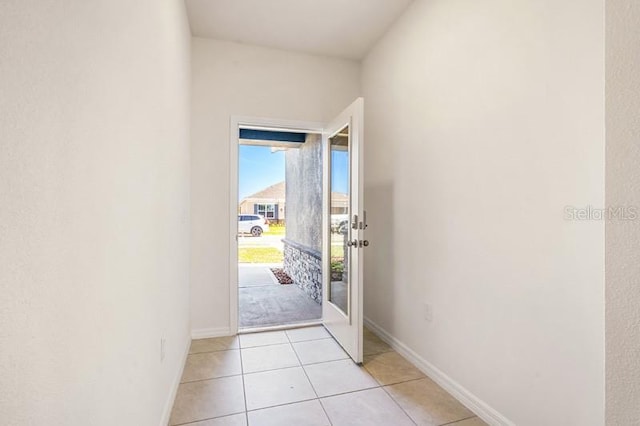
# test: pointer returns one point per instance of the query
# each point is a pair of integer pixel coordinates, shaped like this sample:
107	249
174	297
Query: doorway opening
326	158
279	226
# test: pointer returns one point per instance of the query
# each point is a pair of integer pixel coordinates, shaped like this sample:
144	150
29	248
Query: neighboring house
339	203
269	202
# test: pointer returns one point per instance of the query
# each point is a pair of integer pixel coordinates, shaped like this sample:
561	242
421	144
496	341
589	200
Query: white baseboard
168	406
205	333
472	402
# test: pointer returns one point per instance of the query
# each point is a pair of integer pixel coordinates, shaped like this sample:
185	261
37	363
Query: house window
266	210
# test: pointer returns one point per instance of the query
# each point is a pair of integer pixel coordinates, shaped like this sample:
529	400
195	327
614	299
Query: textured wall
303	244
623	189
234	79
94	209
483	120
304	193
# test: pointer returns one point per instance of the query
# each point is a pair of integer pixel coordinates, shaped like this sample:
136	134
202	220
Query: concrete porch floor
265	302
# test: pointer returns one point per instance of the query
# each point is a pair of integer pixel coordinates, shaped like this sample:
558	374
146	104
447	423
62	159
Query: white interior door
344	224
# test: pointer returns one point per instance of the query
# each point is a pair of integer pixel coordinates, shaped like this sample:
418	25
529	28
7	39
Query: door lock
354	224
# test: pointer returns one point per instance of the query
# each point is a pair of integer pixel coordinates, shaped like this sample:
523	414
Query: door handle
365	243
353	243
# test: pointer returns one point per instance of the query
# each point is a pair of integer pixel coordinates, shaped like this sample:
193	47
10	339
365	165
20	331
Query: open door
344	223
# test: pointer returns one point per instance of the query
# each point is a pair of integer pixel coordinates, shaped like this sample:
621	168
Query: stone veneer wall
304	266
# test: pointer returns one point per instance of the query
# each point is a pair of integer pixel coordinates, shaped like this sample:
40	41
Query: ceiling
342	28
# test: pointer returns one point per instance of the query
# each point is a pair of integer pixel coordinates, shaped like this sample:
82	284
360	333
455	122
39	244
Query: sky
339	172
259	168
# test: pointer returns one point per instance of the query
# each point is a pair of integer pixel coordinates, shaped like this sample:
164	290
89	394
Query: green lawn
276	230
337	251
259	255
272	254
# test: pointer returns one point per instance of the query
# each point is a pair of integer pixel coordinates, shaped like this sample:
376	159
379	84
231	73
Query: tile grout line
266	346
348	392
378	353
401	381
383	386
391	396
208	418
404	381
210	378
325	411
294	366
216	377
311	399
281	405
318	398
345	355
312	340
458	421
309	380
249	373
324	362
314	399
268	328
282	343
399	406
371	374
215	350
244	388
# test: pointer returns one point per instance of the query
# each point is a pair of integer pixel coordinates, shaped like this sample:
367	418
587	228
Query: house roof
339	196
278	191
273	192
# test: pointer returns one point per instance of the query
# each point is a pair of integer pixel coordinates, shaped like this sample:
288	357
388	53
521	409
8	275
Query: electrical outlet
163	344
428	312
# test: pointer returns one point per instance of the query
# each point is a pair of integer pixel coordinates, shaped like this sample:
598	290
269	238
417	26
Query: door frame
258	123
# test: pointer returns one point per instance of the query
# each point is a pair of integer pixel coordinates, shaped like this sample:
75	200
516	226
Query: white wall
623	189
234	79
483	121
94	209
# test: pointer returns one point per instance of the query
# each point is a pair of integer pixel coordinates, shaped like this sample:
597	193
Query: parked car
253	224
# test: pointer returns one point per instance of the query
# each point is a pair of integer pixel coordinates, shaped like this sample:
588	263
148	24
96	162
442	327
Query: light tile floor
303	377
